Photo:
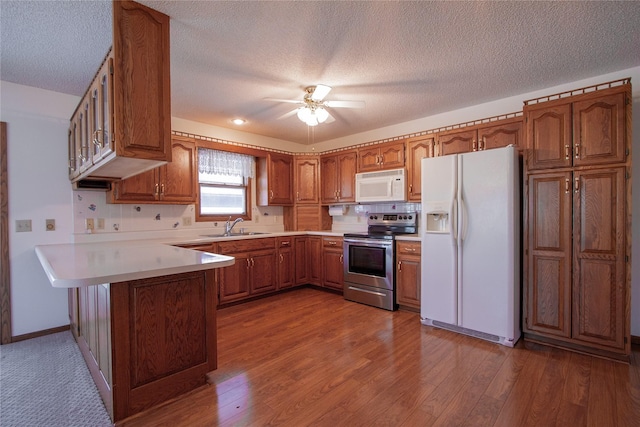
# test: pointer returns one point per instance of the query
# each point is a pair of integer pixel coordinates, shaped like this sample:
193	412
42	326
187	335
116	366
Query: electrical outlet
186	221
23	225
89	224
50	224
100	224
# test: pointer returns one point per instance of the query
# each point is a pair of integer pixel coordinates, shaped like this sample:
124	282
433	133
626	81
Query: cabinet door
234	280
333	269
263	271
549	137
286	263
417	149
102	112
73	164
178	184
301	276
142	87
599	130
368	159
408	274
82	136
392	156
329	176
275	180
314	260
307	180
144	187
346	181
501	135
549	240
457	142
599	300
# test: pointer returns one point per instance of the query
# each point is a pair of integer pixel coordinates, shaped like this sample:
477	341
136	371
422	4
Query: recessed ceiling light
238	121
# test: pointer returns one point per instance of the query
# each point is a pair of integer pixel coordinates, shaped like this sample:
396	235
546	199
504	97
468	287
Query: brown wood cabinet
408	274
286	262
418	148
314	260
381	156
495	134
576	227
590	130
122	126
175	182
301	264
307	180
338	175
576	286
275	180
307	218
333	263
254	272
147	341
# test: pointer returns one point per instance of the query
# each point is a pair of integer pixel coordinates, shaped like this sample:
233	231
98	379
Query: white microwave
382	186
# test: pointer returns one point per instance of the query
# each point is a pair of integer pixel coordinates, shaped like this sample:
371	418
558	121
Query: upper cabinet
381	156
307	180
122	126
495	134
175	182
338	176
275	180
588	131
418	148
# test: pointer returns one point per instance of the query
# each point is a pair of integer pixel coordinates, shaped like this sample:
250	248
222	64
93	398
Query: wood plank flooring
309	357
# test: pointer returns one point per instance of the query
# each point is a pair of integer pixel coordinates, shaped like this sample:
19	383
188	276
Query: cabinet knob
399	265
474	145
567	153
577	151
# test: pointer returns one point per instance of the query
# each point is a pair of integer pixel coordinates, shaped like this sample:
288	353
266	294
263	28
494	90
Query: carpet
44	381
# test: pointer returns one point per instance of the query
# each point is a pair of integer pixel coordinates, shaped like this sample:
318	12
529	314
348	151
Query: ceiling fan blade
290	101
344	104
289	114
320	92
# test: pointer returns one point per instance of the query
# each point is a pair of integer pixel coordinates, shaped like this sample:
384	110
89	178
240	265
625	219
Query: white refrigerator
470	221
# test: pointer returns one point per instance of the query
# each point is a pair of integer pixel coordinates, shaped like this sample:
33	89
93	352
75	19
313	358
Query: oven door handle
369	242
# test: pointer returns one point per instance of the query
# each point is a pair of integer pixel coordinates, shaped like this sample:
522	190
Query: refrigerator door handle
464	220
453	220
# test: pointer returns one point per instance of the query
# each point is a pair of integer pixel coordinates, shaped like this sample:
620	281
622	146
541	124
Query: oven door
369	262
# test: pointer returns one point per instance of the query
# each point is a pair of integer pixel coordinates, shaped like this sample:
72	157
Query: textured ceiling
406	60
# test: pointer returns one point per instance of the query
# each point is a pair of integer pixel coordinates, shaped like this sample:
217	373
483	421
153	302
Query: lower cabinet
314	260
286	263
148	341
301	244
333	263
408	274
254	272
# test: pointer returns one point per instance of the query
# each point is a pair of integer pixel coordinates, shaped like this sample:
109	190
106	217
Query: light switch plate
23	225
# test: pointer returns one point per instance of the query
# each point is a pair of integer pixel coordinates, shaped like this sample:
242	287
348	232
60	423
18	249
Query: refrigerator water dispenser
437	222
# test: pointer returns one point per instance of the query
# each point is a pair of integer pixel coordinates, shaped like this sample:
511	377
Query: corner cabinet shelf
122	126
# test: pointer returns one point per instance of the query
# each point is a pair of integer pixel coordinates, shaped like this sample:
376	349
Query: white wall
39	188
37	124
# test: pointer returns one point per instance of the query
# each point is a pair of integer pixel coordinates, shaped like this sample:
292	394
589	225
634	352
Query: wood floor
309	357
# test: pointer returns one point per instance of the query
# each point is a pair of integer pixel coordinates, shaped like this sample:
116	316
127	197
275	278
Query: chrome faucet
229	226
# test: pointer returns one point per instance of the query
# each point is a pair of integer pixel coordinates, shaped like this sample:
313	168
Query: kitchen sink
234	234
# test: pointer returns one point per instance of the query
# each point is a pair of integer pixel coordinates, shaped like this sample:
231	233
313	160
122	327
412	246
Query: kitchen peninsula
143	314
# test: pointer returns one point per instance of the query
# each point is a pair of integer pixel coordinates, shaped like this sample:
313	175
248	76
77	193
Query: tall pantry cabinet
578	220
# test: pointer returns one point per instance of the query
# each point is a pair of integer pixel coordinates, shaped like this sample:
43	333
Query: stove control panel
395	219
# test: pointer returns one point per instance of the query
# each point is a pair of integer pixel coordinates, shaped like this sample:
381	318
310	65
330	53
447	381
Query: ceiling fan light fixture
321	114
308	116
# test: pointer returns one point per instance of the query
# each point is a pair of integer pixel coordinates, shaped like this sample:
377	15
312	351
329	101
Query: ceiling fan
313	109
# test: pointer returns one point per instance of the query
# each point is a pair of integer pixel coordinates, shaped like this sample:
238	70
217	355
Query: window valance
224	163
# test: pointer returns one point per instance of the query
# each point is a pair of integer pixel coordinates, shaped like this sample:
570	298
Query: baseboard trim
40	333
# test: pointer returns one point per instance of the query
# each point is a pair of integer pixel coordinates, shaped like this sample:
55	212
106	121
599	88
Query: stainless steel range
369	259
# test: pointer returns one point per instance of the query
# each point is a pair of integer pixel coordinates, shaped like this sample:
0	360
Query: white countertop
84	264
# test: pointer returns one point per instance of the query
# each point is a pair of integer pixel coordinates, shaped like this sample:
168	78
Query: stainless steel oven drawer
377	297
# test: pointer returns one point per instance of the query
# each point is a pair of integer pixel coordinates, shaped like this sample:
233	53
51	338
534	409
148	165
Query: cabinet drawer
246	245
332	242
408	248
285	242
